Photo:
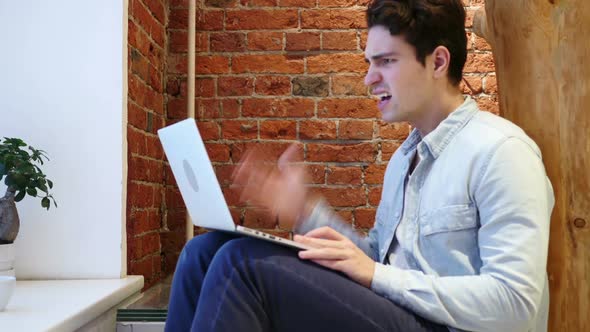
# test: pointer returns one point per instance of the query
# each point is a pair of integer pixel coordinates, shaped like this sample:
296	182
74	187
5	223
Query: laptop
198	184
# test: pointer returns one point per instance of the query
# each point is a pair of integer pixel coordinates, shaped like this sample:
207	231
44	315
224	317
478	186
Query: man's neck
437	112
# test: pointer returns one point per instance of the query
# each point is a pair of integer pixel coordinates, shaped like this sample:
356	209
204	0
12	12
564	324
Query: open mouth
384	97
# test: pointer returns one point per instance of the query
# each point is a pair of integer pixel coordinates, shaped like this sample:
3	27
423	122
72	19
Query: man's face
402	84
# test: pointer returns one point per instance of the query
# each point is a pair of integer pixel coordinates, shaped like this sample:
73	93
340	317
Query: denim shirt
476	222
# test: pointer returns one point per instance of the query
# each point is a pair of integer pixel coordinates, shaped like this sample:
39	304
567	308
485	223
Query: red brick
341	18
154	147
212	65
348	108
258	19
283	108
232	197
231	108
388	148
339	40
228	42
267	63
209	20
259	218
140	93
265	41
489	104
481	44
340	197
238	129
179	4
345	175
345	215
136	116
297	3
273	85
141	195
491	85
178	41
272	150
258	3
362	152
178	19
142	169
375	195
342	3
218	152
235	86
374	174
397	130
363	39
348	85
136	142
155	79
364	217
316	173
279	129
317	129
139	64
224	174
207	109
221	3
355	129
145	19
471	85
142	221
204	87
337	63
157	8
209	130
143	267
302	41
479	63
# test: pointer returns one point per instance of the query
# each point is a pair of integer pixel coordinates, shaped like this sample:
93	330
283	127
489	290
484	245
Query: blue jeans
228	283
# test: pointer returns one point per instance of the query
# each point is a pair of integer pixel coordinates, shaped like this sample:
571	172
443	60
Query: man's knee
202	247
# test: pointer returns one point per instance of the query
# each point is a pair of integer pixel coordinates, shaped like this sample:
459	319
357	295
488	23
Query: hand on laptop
335	251
278	187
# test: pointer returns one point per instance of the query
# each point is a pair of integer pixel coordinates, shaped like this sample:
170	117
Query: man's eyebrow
381	55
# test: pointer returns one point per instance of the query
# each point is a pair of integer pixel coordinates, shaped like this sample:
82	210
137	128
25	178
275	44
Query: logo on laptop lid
190	175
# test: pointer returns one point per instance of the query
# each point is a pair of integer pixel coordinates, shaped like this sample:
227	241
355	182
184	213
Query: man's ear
442	60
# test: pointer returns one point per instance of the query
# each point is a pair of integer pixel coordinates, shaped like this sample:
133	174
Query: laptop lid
194	175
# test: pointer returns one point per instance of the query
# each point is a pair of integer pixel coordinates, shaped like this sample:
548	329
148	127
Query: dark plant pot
9	221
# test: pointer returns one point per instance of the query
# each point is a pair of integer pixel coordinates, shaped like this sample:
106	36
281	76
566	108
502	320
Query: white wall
63	90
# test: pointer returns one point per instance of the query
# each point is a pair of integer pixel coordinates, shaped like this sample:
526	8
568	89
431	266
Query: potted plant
19	168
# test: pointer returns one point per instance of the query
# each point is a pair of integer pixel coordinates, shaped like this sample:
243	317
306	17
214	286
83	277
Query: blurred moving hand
276	186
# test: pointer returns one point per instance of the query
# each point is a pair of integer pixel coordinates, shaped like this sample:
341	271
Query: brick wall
146	114
269	73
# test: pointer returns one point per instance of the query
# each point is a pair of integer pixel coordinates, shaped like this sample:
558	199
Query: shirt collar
439	138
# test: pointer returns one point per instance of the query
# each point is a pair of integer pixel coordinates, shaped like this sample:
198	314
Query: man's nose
372	77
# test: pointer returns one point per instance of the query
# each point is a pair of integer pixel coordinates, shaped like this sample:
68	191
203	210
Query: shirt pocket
448	240
451	218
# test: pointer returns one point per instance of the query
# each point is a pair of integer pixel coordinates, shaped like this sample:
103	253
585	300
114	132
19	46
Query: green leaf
2	169
45	203
32	191
50	183
19	197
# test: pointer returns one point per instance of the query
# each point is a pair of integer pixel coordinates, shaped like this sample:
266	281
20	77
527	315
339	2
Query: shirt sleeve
323	215
514	200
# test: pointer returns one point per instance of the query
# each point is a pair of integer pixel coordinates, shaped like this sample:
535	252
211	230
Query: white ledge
64	305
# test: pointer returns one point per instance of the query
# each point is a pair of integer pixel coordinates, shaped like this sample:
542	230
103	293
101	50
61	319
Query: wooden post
542	54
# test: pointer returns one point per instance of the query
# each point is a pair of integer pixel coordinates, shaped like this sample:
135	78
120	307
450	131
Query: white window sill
64	305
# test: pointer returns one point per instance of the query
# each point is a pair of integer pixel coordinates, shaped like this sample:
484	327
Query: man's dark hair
425	24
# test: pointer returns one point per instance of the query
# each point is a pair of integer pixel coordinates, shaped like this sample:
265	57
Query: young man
461	234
